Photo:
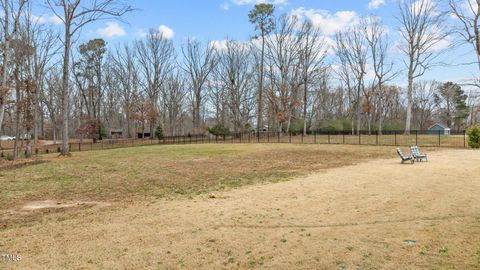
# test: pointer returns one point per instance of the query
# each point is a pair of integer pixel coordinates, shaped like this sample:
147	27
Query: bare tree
74	17
312	61
51	99
218	97
422	29
126	70
156	56
352	50
198	63
236	75
378	45
173	99
424	107
11	11
283	56
45	50
468	14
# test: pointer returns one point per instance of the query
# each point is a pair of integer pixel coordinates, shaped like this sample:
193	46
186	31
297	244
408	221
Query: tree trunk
305	97
17	117
36	116
6	59
196	117
260	88
380	121
54	128
408	119
65	91
358	112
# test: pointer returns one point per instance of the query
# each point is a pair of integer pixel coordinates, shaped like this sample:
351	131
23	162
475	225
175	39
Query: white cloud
225	6
111	30
328	23
46	19
220	45
140	33
420	6
443	44
374	4
254	2
471	5
166	31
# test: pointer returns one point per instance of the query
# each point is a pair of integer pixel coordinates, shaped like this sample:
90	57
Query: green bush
159	132
218	130
473	133
296	127
102	132
6	156
336	125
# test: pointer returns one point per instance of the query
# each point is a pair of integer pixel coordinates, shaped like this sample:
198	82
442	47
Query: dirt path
378	214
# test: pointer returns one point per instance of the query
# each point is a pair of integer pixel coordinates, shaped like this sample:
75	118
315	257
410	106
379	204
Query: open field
153	172
345	207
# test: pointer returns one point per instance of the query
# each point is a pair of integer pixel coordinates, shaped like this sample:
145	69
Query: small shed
439	128
143	135
116	133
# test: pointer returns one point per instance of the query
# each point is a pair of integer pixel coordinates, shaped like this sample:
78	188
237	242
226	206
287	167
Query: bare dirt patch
39	205
17	164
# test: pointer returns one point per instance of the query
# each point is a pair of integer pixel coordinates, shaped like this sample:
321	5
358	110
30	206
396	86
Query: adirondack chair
404	157
419	156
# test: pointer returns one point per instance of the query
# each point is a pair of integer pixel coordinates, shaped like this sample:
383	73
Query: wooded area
288	77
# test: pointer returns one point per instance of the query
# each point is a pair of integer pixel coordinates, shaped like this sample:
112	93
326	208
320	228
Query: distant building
439	128
143	135
116	133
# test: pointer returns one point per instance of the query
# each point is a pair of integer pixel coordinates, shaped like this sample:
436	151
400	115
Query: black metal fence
455	139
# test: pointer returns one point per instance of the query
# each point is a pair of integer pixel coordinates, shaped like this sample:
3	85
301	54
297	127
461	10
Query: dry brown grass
351	217
165	171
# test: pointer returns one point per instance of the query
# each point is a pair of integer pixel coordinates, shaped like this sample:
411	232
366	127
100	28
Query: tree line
288	77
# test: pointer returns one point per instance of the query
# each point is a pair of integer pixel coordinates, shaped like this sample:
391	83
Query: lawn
151	172
277	206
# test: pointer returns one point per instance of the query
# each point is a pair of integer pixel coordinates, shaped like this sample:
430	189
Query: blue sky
208	20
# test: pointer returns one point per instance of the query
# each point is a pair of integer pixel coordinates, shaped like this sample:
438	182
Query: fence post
278	136
268	136
328	137
439	139
416	137
290	137
315	137
79	147
376	138
395	137
359	137
343	135
464	139
302	137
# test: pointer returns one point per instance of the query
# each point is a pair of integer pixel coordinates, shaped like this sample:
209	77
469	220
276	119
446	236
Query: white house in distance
439	128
